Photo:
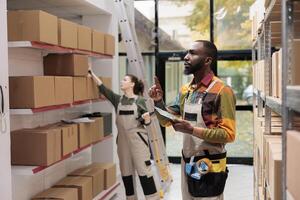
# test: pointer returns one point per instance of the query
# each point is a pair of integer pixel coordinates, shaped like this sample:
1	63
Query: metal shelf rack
286	11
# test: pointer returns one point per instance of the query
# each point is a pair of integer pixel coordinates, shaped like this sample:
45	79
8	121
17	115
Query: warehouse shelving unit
50	48
30	170
25	59
288	106
31	111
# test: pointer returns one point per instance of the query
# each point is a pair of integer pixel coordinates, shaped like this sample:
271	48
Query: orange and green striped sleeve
225	129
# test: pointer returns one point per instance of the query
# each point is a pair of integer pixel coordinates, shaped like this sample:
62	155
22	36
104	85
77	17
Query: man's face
194	60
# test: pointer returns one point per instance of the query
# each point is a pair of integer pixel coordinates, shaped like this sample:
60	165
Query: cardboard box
92	89
97	176
97	42
31	91
38	146
106	81
58	193
66	65
83	185
63	90
32	25
84	134
67	34
69	137
80	89
84	38
275	164
109	45
97	129
110	177
275	75
293	176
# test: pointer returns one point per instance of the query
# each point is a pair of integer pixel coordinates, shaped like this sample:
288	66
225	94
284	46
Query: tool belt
210	184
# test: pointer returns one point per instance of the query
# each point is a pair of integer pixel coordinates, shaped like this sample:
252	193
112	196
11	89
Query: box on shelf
84	134
80	89
97	176
275	164
67	34
84	38
66	65
38	146
31	91
97	129
32	25
83	185
63	89
293	176
69	136
106	81
109	173
92	89
58	193
109	45
97	41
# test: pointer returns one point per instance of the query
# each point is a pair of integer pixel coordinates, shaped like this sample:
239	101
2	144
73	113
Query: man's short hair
211	51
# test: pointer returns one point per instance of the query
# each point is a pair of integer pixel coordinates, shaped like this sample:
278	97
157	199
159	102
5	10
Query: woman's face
126	83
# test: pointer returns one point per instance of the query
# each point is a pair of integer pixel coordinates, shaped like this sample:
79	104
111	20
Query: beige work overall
193	146
134	153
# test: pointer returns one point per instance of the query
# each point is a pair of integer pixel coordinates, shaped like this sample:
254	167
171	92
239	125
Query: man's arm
156	93
225	130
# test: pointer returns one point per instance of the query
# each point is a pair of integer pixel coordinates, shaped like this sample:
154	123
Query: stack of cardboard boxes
46	145
39	26
82	184
267	157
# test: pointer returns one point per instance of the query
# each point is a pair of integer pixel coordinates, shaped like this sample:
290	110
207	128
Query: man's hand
156	92
183	126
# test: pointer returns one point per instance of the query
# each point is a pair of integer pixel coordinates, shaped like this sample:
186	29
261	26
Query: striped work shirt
218	109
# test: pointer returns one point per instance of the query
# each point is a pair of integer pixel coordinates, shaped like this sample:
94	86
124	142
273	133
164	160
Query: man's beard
192	69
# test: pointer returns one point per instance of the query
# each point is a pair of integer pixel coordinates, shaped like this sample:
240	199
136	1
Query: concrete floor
239	184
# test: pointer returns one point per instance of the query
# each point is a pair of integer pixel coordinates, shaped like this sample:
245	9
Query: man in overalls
207	108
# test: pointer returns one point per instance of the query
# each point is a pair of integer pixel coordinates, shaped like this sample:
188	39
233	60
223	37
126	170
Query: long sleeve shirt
218	109
116	98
